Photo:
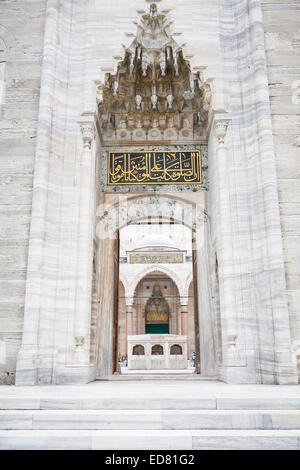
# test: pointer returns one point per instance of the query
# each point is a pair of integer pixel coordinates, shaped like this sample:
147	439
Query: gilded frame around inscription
154	187
174	165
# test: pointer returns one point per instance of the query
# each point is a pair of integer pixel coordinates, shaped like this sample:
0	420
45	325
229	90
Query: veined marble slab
118	440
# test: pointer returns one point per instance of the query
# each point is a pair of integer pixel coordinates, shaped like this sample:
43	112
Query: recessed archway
167	318
164	209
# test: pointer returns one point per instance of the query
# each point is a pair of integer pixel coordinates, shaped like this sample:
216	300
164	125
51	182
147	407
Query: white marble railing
147	352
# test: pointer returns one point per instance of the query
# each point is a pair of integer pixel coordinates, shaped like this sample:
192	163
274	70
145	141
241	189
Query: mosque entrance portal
152	169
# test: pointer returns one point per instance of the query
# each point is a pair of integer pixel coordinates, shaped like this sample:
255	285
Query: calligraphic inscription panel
150	258
157	317
154	167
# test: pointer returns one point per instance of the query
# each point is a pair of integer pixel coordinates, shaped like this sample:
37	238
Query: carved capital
88	134
220	129
129	301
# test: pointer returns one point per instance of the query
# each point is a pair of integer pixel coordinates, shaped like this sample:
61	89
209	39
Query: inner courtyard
156	266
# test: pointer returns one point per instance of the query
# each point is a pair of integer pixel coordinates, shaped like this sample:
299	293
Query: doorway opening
149	237
156	295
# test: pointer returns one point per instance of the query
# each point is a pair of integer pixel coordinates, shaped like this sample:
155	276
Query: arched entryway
157	308
155	209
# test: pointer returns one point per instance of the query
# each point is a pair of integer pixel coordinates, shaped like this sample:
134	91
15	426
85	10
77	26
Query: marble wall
282	41
21	53
82	42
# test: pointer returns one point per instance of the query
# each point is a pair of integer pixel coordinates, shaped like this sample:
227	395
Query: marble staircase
150	415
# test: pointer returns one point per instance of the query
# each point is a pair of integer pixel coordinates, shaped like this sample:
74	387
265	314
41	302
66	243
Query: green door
157	328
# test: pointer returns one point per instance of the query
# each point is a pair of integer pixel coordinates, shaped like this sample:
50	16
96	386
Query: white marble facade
246	236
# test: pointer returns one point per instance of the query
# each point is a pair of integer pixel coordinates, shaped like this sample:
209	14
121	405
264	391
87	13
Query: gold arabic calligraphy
161	317
154	167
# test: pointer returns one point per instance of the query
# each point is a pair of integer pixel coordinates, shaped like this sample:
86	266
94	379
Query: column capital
129	301
88	134
88	129
220	129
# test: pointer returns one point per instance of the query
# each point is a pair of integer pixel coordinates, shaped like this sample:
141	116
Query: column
184	322
29	370
225	252
80	356
129	315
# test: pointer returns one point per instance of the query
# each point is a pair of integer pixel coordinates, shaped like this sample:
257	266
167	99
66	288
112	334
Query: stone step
154	376
150	439
148	402
148	419
162	373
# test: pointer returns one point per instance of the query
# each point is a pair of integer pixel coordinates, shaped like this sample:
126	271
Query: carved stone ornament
88	134
221	130
79	341
152	88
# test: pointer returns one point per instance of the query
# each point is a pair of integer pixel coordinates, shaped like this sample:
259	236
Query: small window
138	350
176	349
157	349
